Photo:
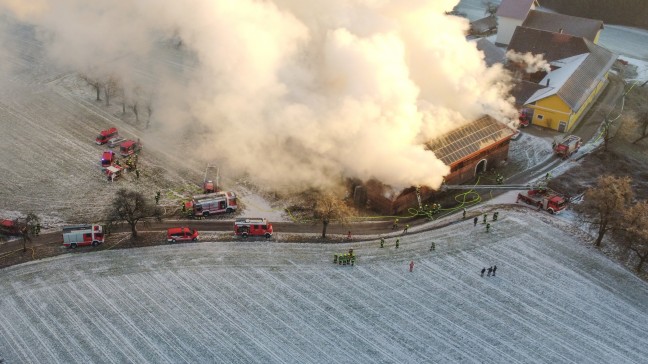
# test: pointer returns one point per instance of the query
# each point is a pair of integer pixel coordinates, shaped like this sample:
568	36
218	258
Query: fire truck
9	227
213	203
545	199
567	146
253	226
130	147
82	235
105	135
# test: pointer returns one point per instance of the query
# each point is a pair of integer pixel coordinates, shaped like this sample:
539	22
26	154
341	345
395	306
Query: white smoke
291	92
531	62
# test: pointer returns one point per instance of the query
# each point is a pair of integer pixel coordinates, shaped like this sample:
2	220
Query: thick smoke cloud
531	62
291	92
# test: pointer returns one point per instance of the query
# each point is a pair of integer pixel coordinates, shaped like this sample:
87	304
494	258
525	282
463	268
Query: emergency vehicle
567	146
106	135
114	172
130	147
9	227
107	159
252	226
82	235
545	199
177	234
214	203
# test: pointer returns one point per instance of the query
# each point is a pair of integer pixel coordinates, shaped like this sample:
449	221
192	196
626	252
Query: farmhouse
578	73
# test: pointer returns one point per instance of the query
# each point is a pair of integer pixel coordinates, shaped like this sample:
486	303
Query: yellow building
574	75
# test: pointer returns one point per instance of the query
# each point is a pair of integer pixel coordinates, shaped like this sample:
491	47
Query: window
540	117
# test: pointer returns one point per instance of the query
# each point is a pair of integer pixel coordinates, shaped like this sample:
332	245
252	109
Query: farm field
554	299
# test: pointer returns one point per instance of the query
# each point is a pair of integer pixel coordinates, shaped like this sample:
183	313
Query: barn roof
469	139
516	9
572	25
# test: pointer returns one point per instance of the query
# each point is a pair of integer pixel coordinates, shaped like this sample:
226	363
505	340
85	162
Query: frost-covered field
554	299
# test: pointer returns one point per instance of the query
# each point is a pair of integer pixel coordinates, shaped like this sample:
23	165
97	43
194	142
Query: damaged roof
469	139
557	23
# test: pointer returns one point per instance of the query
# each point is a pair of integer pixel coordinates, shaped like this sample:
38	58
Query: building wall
549	112
553	110
505	29
464	171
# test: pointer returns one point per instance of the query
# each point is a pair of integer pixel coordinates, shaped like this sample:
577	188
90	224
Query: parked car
179	234
107	159
113	142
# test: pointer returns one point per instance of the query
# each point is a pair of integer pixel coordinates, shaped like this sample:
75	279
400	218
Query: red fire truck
9	227
213	203
567	146
130	147
107	159
82	235
545	199
105	135
253	226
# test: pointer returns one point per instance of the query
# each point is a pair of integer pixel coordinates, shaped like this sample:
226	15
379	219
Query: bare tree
635	235
642	119
111	87
131	207
95	83
149	111
135	107
329	208
604	204
491	7
29	226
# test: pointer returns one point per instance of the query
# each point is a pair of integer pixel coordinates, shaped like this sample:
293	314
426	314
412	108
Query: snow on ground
554	299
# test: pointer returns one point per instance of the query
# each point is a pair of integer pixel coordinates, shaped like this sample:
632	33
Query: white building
511	14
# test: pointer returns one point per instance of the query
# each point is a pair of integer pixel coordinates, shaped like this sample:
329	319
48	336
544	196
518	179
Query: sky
291	93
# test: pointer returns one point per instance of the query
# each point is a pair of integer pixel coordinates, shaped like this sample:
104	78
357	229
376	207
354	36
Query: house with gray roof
577	73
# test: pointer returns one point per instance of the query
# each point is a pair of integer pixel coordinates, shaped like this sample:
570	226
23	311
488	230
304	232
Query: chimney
548	79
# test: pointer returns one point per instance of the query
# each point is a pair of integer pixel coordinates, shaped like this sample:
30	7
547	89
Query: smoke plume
290	92
531	62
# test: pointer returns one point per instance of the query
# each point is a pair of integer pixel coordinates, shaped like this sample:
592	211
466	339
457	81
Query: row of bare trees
610	207
134	99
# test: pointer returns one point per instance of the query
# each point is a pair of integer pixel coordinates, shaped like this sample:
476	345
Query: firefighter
499	179
349	235
475	221
433	247
495	215
411	265
488	227
157	197
485	216
464	214
397	243
406	227
490	270
137	173
335	258
395	225
382	242
494	269
482	271
184	206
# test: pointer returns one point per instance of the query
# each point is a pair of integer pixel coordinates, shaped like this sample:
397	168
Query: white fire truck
214	203
82	235
253	226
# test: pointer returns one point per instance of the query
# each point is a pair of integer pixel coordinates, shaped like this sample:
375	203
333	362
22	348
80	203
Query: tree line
627	12
610	206
135	98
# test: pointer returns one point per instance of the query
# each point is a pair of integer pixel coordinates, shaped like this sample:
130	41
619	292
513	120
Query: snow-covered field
554	300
